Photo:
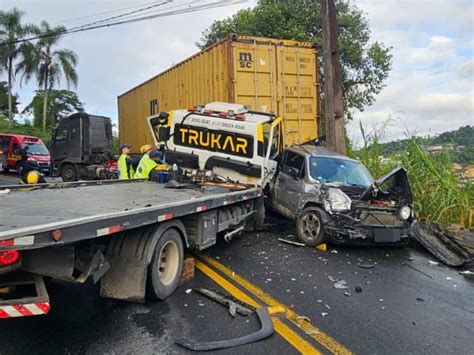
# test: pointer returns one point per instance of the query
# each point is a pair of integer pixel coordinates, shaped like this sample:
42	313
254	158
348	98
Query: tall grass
439	195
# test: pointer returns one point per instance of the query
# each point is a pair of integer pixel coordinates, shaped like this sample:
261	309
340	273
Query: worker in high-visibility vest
147	162
125	163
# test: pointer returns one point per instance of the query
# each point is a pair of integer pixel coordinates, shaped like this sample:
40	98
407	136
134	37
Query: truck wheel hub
169	262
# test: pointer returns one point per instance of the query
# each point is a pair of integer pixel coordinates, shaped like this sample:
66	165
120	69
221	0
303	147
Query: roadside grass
439	194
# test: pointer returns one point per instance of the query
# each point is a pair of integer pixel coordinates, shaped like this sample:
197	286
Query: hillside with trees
459	143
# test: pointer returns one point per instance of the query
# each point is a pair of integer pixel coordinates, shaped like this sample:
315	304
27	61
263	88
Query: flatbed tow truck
130	235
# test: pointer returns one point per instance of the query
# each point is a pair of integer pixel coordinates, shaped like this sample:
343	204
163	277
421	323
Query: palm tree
49	64
11	30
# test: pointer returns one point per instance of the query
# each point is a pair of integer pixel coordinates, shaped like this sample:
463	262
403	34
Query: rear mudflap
23	294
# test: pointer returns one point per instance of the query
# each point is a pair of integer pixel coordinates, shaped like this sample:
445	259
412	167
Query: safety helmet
146	147
33	177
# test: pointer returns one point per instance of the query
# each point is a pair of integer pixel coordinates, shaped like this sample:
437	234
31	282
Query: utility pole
333	105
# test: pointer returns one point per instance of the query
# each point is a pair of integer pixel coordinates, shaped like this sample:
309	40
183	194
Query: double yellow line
261	298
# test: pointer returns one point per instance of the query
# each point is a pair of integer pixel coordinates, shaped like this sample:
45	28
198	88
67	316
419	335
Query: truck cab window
61	135
293	163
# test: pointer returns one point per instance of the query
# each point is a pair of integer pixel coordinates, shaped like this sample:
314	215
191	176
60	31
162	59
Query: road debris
265	331
322	247
332	279
303	318
366	266
188	291
235	306
452	246
324	314
466	273
347	294
433	263
419	299
292	242
358	289
341	285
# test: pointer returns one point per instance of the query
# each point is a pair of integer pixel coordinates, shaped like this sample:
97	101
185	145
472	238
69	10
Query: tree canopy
365	64
4	100
61	103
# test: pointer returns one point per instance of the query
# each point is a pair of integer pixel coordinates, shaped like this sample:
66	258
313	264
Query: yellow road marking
315	333
288	334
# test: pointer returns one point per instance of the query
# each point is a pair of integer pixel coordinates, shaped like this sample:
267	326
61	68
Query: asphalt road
407	305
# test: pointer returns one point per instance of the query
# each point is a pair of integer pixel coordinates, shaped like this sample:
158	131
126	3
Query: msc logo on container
245	60
214	140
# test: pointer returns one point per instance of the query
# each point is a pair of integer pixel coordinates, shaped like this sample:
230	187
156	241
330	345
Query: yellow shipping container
264	74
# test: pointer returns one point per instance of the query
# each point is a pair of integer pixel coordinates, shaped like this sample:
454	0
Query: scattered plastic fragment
324	314
332	279
358	289
293	279
334	251
303	318
466	272
419	299
188	291
449	278
341	285
380	299
291	241
433	262
327	306
366	266
347	294
322	247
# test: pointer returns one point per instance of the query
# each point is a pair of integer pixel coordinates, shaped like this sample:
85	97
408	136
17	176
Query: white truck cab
229	139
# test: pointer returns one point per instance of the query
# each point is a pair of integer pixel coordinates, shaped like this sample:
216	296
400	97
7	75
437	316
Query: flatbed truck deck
130	235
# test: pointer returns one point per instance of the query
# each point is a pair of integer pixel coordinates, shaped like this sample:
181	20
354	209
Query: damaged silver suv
334	198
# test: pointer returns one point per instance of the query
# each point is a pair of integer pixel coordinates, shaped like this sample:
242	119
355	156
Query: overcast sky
430	89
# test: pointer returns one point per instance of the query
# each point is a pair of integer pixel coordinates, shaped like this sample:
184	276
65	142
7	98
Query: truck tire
68	173
310	228
166	265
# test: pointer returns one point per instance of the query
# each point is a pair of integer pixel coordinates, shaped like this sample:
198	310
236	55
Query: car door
289	183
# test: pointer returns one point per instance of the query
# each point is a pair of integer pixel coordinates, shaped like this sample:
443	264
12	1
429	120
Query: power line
88	27
96	14
122	15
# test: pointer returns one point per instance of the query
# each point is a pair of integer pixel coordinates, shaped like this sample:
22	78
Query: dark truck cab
82	148
334	198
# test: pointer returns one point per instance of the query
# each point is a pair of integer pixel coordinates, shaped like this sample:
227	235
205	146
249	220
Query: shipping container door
254	75
298	93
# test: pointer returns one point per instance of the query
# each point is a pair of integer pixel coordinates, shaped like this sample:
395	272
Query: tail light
9	257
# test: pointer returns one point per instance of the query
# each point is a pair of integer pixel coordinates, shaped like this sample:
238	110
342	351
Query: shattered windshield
339	172
36	149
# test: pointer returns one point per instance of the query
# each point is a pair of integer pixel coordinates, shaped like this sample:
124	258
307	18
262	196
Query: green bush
24	129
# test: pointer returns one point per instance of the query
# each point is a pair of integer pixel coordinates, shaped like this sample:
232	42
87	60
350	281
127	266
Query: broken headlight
405	212
337	201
